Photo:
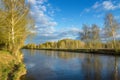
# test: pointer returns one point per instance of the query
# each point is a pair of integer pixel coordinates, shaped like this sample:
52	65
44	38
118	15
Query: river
58	65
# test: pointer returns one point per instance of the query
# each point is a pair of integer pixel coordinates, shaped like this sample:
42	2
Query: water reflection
57	65
62	54
116	69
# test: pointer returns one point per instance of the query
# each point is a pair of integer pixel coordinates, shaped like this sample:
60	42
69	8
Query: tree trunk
12	28
114	43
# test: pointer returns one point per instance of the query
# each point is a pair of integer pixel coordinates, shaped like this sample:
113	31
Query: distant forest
71	44
91	37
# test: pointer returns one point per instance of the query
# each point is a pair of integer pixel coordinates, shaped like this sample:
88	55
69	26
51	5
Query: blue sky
59	19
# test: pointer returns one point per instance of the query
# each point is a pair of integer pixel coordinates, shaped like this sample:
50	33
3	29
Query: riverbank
93	51
11	67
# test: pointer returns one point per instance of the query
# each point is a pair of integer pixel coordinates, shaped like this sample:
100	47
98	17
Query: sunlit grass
10	67
6	57
5	64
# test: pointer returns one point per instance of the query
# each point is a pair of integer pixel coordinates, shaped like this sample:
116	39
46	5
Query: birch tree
95	36
15	23
85	35
111	28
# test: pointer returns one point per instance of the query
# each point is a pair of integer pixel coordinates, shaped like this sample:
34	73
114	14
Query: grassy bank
93	51
11	67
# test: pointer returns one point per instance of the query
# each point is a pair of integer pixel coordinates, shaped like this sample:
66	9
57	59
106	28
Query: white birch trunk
12	28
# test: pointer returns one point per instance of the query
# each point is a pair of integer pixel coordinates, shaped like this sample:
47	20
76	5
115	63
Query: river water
58	65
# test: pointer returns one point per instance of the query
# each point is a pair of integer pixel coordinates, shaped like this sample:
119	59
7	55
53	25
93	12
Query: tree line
61	44
91	37
71	44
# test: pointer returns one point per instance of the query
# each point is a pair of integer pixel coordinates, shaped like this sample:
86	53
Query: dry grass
10	67
6	58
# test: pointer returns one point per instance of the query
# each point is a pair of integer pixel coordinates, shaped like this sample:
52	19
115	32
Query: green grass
10	67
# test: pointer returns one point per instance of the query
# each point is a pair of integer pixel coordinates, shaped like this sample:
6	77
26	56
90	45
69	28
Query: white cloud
32	1
44	23
37	1
99	15
96	5
117	17
85	11
108	5
102	7
72	33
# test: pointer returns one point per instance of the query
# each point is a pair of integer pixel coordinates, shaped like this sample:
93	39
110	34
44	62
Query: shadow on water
56	65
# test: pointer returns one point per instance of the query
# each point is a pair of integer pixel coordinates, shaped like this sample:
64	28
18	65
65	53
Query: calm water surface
54	65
